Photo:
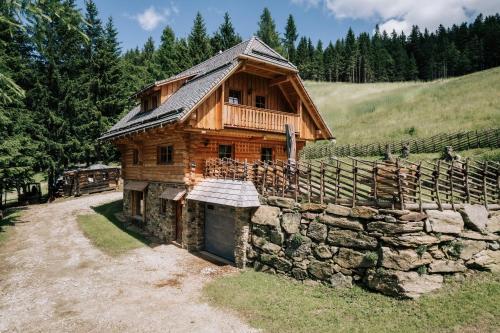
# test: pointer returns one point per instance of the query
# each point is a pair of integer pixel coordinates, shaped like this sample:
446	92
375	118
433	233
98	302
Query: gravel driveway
52	279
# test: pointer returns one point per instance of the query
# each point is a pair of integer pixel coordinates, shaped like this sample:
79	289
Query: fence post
450	173
309	185
374	175
400	185
337	178
467	192
321	182
485	194
354	180
436	184
419	181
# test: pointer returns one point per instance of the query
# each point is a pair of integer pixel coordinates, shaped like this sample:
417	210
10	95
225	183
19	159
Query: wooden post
337	187
309	175
296	175
467	190
374	175
354	180
264	176
436	183
419	182
450	172
485	194
322	182
400	185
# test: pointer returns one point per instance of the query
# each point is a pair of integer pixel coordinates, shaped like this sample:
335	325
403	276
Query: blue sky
319	19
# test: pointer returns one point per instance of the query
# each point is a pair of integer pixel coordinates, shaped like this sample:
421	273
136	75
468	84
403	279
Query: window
266	154
90	178
260	101
145	104
225	151
165	155
135	156
154	100
234	96
163	206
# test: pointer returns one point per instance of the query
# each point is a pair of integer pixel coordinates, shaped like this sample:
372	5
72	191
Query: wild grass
108	233
276	304
10	218
366	113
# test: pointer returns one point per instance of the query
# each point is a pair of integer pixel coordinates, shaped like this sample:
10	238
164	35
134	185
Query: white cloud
402	14
306	3
151	18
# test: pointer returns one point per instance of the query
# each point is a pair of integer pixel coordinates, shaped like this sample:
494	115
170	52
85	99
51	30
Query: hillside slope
364	113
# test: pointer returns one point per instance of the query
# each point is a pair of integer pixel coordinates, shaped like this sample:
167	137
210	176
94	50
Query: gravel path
52	279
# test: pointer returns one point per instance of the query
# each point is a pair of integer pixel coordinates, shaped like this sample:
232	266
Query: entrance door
138	205
178	222
219	231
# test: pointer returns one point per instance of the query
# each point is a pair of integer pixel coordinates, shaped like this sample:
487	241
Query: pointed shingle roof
202	78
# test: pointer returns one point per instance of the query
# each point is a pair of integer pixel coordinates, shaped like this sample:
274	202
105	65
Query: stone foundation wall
396	252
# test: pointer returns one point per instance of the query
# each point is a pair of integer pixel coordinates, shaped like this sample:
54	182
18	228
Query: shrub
371	257
422	270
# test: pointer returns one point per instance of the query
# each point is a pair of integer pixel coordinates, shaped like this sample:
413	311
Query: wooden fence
487	138
354	182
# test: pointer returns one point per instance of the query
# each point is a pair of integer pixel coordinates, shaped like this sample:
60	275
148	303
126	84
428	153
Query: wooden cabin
233	105
96	178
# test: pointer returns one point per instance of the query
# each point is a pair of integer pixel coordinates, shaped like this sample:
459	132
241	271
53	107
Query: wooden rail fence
354	182
487	138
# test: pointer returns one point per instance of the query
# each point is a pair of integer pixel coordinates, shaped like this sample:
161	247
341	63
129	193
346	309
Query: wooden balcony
249	117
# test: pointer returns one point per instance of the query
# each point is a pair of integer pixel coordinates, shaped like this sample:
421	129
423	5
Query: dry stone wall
396	252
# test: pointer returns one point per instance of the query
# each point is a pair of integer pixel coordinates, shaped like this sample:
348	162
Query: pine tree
290	39
225	37
351	56
182	48
166	55
198	41
318	64
303	61
267	31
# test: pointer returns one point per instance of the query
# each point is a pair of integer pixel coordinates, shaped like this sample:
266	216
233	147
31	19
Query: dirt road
52	279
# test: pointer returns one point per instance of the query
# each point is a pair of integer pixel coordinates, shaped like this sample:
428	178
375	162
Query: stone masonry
395	252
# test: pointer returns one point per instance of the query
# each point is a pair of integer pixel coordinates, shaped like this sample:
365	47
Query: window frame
231	153
258	103
262	149
168	155
232	99
135	156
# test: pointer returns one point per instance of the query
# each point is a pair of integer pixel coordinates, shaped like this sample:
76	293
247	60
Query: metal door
219	231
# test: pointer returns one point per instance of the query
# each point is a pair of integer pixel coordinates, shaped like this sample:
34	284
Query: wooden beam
279	80
287	98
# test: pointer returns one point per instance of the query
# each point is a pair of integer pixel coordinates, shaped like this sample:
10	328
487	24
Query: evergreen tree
351	56
198	41
225	37
317	63
303	61
182	50
290	39
166	55
267	31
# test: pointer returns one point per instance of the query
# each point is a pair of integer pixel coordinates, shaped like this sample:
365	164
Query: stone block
415	239
322	251
395	228
352	239
488	260
475	216
471	247
348	258
338	210
320	270
363	212
281	202
413	217
317	231
447	266
312	207
403	284
290	222
267	215
403	260
445	222
341	222
339	280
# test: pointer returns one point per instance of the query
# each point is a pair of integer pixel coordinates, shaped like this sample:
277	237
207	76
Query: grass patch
374	112
8	222
276	304
107	232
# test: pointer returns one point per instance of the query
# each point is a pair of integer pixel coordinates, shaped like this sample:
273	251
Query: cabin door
178	221
138	205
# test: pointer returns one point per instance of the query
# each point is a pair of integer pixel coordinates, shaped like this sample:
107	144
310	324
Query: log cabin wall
148	168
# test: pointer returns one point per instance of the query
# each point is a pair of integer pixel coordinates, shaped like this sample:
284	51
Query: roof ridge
270	48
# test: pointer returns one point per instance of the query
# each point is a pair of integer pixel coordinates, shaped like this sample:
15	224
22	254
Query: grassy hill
365	113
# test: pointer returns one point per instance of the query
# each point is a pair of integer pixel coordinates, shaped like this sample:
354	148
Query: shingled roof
202	78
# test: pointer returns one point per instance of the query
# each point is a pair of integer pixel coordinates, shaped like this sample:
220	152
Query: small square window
135	156
234	97
260	101
266	154
225	151
165	155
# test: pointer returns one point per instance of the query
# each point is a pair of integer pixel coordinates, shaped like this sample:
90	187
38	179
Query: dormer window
150	102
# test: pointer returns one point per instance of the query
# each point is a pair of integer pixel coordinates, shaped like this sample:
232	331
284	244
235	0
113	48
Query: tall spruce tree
225	37
267	31
166	55
199	48
291	36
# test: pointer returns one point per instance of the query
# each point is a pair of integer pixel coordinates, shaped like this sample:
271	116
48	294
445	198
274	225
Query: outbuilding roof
234	193
202	79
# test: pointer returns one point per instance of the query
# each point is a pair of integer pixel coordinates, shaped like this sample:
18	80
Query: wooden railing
485	138
353	182
244	116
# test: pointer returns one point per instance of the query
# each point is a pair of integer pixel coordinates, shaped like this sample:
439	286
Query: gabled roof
234	193
202	79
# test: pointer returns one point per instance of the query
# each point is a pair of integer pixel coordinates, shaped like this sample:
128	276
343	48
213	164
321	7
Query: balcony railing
244	116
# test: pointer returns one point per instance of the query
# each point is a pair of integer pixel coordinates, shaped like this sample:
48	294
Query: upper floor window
135	156
225	151
260	101
235	97
154	100
150	102
165	155
266	154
